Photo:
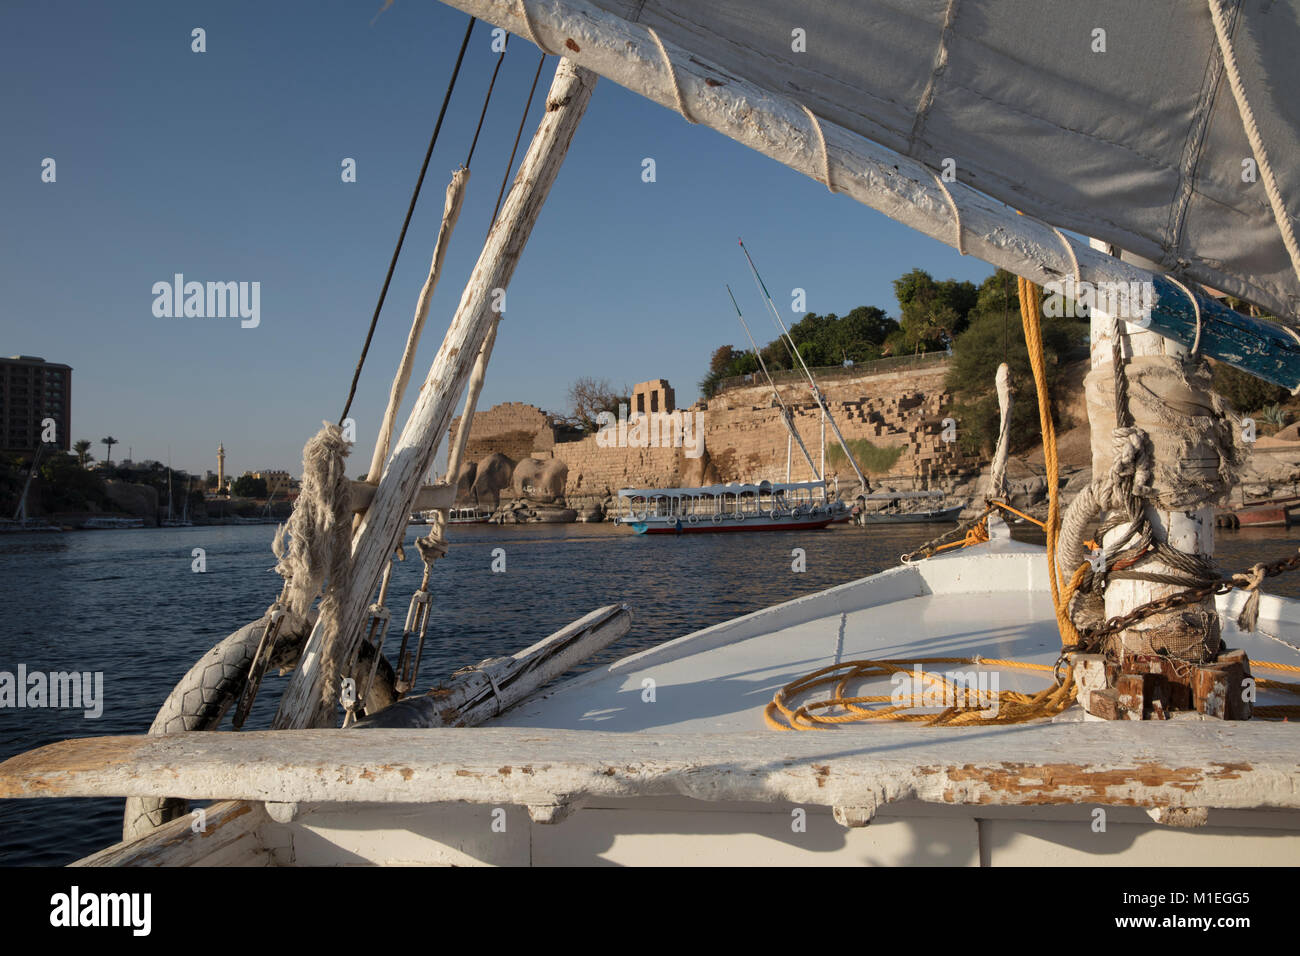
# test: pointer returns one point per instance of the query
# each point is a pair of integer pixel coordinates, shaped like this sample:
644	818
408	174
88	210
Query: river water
129	604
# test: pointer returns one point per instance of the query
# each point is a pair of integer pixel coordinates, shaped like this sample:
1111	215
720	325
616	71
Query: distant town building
31	391
278	483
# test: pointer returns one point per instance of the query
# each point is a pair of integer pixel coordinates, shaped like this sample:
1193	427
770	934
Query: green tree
1244	391
990	339
933	313
82	448
67	486
589	397
246	486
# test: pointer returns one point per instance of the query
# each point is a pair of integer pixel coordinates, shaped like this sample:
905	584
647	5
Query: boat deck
719	680
603	740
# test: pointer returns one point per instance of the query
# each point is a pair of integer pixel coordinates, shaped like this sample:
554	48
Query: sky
225	166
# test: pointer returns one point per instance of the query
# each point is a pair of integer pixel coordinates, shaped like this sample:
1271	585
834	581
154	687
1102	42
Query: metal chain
1171	602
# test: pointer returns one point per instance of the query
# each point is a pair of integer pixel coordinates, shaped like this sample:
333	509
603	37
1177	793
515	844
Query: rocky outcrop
492	475
542	481
139	500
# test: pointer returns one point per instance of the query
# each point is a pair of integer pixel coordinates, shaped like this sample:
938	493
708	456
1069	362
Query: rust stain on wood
1073	783
572	46
710	81
504	771
26	773
822	771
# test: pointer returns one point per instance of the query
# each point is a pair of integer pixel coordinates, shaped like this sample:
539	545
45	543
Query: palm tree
82	448
108	443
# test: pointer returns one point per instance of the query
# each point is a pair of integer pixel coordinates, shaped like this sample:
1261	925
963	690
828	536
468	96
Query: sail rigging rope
956	212
1280	215
531	31
410	209
672	75
505	177
1196	307
501	57
821	141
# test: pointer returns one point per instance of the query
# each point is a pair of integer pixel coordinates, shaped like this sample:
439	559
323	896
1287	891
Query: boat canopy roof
763	487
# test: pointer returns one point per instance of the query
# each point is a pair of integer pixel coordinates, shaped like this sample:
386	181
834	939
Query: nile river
128	604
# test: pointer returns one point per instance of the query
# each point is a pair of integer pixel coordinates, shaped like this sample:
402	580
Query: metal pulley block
376	632
417	622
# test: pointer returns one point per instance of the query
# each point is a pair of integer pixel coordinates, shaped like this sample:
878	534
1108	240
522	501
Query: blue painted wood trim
1253	345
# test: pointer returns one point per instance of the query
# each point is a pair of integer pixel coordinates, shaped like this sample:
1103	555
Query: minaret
221	468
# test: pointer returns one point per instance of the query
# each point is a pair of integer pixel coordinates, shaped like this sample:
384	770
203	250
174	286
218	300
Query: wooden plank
479	693
428	497
305	703
226	832
1186	762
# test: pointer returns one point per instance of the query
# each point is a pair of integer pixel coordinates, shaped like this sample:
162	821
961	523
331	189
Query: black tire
210	688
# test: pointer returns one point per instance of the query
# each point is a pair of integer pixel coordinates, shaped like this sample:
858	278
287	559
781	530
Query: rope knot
431	548
1250	581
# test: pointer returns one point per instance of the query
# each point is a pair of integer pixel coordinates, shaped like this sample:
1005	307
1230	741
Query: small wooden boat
766	506
111	523
1274	513
467	516
910	517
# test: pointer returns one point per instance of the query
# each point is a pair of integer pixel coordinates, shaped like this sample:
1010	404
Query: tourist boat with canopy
765	506
977	704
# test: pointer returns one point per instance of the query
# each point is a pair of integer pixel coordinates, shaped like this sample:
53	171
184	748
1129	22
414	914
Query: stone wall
513	429
745	439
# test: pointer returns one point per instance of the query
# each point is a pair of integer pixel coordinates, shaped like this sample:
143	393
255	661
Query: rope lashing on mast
825	153
1196	308
530	30
956	212
672	77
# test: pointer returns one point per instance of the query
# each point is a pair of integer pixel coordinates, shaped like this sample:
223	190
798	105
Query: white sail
1112	118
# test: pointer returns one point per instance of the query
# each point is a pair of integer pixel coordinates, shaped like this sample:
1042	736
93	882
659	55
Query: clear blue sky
225	166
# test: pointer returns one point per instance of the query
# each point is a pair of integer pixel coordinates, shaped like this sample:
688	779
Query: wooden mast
306	702
1160	657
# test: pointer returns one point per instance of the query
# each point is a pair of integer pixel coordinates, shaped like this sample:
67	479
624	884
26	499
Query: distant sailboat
171	521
